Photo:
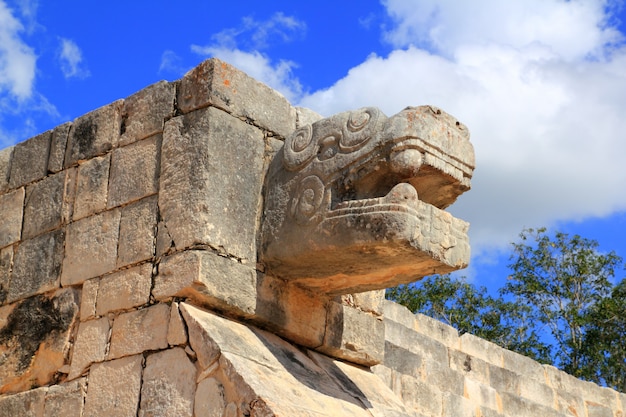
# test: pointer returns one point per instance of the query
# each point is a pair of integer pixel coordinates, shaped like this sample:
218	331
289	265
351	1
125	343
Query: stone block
91	248
538	392
94	133
201	335
417	343
458	406
176	331
504	380
169	385
481	348
595	409
209	279
5	167
66	400
6	265
569	404
145	112
398	313
469	366
140	331
137	232
291	311
124	289
209	400
481	394
306	116
114	388
402	361
353	335
216	83
25	404
92	184
12	208
37	265
30	160
58	146
210	187
370	301
88	299
523	365
514	405
35	338
439	375
421	396
43	208
90	345
437	330
134	170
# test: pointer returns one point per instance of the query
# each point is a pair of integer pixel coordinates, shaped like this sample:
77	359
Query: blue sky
541	84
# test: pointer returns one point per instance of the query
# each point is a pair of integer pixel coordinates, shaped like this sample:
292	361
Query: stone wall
129	283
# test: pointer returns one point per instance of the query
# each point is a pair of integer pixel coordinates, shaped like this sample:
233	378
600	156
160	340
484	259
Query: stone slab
138	224
114	388
91	248
168	385
146	111
11	206
216	83
6	264
140	331
66	399
94	133
25	404
5	167
210	187
44	205
134	170
30	160
124	290
92	186
58	146
37	265
90	345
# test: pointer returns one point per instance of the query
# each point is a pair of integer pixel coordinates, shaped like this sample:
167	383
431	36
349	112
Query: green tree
561	279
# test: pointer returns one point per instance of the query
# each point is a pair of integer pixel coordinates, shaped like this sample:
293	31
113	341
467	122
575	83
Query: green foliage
558	306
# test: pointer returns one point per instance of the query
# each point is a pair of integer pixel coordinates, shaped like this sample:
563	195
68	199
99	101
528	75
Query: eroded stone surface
124	289
5	167
137	231
354	201
92	186
90	345
34	340
44	205
139	331
30	160
11	205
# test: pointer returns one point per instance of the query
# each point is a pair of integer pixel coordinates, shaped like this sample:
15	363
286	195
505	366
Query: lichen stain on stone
33	328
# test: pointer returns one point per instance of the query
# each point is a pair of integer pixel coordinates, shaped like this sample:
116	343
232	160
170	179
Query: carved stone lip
402	197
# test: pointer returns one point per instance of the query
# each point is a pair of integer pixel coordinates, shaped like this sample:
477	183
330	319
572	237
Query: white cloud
546	115
17	59
71	60
241	47
171	62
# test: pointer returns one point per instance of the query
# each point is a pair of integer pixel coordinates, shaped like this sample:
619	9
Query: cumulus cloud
242	47
17	59
71	60
542	88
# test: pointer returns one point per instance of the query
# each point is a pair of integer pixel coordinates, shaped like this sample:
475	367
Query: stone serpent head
354	202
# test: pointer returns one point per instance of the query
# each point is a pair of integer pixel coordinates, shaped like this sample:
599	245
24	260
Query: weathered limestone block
140	331
25	404
354	335
570	404
45	203
354	202
11	207
216	83
66	400
169	385
427	348
398	313
145	112
90	345
514	405
34	340
137	232
595	409
92	186
283	379
481	348
94	133
124	289
370	301
437	330
5	167
291	312
440	376
176	331
91	247
58	145
502	379
88	298
114	388
471	367
209	400
134	171
30	160
210	187
421	396
208	279
403	361
480	394
37	265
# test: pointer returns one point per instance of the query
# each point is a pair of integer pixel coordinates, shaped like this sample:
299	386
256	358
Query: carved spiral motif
299	148
359	129
307	199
